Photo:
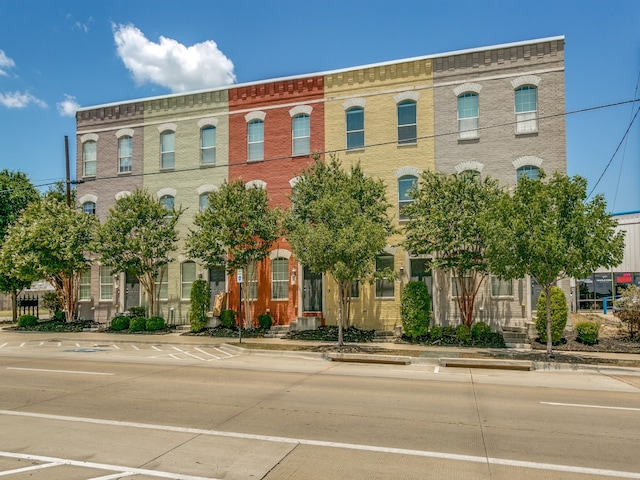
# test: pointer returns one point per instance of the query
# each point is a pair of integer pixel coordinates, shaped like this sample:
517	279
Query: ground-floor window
384	288
106	283
85	286
280	279
501	288
188	274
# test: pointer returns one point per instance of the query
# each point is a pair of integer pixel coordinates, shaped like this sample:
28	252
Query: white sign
239	275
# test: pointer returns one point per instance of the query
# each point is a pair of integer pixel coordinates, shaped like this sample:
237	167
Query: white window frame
168	156
187	279
84	292
497	285
403	202
526	120
406	126
125	159
89	158
280	278
208	150
301	136
468	125
106	284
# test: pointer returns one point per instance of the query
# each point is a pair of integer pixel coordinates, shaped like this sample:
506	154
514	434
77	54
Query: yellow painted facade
378	89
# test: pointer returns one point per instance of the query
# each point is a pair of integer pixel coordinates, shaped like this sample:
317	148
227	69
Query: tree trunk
14	305
547	293
340	312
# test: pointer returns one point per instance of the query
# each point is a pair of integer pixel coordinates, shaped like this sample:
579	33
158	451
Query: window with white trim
456	285
168	202
384	288
300	125
203	201
280	279
526	106
355	128
125	153
501	288
89	158
407	123
188	276
208	145
468	116
106	283
529	171
405	184
89	207
167	149
255	140
84	294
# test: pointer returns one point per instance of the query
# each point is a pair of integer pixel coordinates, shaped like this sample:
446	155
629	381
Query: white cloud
171	64
20	100
68	107
6	63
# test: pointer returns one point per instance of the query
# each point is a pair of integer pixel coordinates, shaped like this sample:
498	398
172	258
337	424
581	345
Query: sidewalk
366	352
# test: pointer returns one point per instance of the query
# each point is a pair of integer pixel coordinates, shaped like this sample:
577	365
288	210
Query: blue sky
59	55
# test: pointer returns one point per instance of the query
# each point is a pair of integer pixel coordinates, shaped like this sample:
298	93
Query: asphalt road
75	411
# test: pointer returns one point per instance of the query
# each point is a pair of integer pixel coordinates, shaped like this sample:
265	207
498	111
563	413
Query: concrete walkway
402	353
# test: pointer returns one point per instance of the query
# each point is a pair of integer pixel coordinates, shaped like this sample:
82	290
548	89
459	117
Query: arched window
470	175
301	134
89	158
168	201
203	201
468	115
355	128
407	124
255	140
89	207
188	276
526	106
280	278
125	152
529	171
405	183
208	145
168	149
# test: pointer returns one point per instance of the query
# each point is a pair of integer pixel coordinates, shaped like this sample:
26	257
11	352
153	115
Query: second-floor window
89	158
526	98
407	127
125	152
208	145
301	135
168	150
255	140
468	116
355	128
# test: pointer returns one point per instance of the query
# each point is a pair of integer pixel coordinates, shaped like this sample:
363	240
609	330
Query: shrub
628	308
228	318
415	310
480	331
137	324
120	322
435	333
154	323
27	321
140	311
587	332
559	314
200	300
463	334
265	320
51	302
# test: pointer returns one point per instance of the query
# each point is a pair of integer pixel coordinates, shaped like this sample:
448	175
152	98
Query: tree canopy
445	222
139	237
237	229
51	241
547	229
338	224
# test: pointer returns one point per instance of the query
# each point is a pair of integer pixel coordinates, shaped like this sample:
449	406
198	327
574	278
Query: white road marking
437	369
189	353
104	466
215	357
5	343
77	345
320	443
590	406
58	371
23	344
156	348
28	469
134	347
116	347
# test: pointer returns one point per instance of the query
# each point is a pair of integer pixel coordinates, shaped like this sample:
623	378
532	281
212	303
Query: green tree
51	241
338	224
139	237
16	192
445	222
548	230
628	308
237	229
200	299
415	309
559	315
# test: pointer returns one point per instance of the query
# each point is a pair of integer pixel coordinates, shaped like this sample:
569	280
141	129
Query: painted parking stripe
29	469
58	371
5	343
578	405
188	353
214	357
346	446
104	466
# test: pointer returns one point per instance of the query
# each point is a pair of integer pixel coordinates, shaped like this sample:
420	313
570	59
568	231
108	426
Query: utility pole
66	157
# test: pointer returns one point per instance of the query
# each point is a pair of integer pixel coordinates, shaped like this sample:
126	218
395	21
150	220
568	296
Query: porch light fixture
294	276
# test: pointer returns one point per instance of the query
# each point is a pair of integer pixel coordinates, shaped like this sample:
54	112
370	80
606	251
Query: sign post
239	279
